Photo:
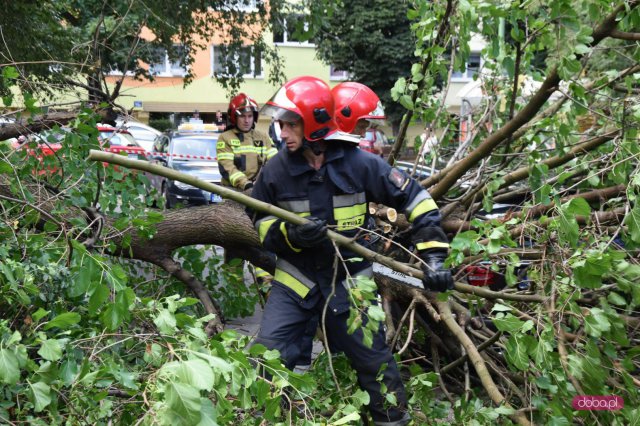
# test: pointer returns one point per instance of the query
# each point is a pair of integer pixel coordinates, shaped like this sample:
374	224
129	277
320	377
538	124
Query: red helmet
355	101
307	98
239	104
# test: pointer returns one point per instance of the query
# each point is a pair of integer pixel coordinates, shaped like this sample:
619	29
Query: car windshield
118	139
201	147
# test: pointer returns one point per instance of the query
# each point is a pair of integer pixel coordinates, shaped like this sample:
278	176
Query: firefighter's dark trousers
283	327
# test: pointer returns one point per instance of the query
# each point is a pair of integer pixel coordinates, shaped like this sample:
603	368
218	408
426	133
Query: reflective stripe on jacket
242	155
339	192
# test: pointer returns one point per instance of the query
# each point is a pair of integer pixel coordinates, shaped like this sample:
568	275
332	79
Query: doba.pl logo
597	402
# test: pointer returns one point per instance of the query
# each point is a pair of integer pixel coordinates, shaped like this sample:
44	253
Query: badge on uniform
397	178
235	142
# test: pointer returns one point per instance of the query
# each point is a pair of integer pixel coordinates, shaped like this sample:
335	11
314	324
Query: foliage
80	42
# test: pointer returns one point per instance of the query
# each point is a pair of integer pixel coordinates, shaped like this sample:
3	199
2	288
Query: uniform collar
298	164
238	131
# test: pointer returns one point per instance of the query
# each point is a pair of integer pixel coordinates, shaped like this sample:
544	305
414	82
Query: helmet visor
376	116
279	113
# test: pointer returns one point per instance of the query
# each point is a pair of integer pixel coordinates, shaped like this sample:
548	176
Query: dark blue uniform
339	192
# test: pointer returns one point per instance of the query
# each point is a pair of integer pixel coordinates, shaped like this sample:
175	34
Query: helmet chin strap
317	148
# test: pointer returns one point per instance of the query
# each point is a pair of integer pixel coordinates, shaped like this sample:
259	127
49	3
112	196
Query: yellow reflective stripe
283	229
431	244
225	156
271	152
295	285
246	149
235	176
425	206
422	195
264	225
350	211
261	273
349	217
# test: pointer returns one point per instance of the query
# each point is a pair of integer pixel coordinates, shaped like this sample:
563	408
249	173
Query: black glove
436	278
247	185
308	235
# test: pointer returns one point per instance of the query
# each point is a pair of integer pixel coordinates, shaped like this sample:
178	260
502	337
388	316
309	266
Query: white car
145	135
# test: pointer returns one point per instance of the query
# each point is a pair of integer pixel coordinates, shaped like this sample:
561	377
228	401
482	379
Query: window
286	34
336	74
239	6
166	68
246	61
472	68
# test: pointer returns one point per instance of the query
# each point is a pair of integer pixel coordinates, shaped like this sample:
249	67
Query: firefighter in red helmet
243	150
324	177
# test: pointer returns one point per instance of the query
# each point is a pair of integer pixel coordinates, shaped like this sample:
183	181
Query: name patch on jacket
397	178
235	142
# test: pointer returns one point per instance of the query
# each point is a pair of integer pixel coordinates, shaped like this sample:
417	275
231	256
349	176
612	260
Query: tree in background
57	45
371	40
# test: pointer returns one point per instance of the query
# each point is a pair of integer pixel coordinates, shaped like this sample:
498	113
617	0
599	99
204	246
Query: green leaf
184	401
517	351
500	308
208	413
616	299
577	206
596	322
50	350
407	102
63	321
508	323
10	72
116	313
9	371
40	395
117	277
348	419
165	321
5	167
195	372
39	314
99	296
633	223
376	313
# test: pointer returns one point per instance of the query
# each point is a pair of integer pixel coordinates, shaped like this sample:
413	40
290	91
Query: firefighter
243	150
321	175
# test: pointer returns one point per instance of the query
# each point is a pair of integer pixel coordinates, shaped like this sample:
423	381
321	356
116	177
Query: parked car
419	173
120	141
376	142
193	153
145	135
49	142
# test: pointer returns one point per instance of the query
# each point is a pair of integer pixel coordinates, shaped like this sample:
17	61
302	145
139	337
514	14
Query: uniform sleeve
271	230
228	169
269	147
395	189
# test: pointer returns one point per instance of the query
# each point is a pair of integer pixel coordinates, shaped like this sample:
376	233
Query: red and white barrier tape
165	154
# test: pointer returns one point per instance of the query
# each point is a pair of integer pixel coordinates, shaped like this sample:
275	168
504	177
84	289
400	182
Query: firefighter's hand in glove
436	278
308	235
